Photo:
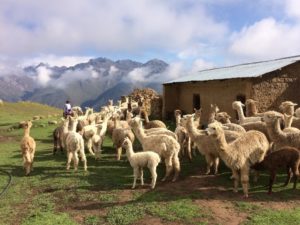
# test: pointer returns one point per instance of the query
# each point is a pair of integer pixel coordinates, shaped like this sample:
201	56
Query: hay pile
152	101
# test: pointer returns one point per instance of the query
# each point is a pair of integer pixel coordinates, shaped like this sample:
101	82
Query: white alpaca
140	160
237	105
166	146
75	145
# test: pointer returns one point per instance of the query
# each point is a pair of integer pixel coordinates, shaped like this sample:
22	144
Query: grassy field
52	195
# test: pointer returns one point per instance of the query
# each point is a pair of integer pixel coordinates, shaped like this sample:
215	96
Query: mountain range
86	84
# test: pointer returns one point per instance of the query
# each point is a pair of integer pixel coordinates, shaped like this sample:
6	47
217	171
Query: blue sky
195	34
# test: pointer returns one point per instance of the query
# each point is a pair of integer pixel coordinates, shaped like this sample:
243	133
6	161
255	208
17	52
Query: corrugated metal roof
238	71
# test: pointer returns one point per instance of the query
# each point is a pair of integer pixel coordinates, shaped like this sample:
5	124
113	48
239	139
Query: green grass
52	195
275	217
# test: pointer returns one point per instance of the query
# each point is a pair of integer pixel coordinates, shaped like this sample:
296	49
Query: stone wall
278	86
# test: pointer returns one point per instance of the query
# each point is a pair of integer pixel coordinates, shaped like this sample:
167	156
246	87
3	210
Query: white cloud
43	75
137	75
266	39
292	8
53	60
201	64
43	27
113	70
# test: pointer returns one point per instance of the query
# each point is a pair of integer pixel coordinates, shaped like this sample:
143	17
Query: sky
194	34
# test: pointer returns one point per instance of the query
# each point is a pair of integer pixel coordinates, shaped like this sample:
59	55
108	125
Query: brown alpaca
28	146
287	158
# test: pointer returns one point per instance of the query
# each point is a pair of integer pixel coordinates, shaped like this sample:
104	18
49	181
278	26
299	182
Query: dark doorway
196	101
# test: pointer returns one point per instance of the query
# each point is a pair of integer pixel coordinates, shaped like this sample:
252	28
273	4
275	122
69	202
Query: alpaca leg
271	181
255	176
296	175
70	156
76	160
289	176
83	159
189	149
135	176
168	162
27	167
209	163
153	175
119	153
216	165
141	176
236	177
176	166
31	158
245	180
89	145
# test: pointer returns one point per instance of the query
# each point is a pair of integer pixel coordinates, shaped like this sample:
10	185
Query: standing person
67	109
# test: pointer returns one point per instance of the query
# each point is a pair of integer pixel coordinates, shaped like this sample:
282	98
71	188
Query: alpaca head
287	107
223	117
27	124
214	108
272	116
177	112
73	121
135	122
110	102
126	143
237	104
214	129
185	119
197	112
251	101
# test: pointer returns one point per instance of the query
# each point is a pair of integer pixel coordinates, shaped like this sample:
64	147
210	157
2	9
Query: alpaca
251	108
279	137
151	124
75	145
297	113
259	126
140	160
166	146
288	107
214	109
237	105
239	155
286	158
118	136
288	120
224	118
28	147
205	144
78	110
182	136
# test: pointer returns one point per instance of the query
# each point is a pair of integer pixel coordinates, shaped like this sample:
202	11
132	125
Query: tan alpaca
239	155
167	147
280	138
28	146
205	144
182	136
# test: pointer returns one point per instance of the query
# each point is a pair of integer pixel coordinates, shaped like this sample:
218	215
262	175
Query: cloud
43	75
292	8
266	39
30	28
201	64
54	60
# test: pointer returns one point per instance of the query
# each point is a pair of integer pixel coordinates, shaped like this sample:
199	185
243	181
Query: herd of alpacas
259	141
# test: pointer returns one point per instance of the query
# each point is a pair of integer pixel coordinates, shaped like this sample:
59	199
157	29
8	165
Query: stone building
269	82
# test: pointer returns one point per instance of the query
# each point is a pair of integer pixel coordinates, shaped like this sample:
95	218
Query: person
67	109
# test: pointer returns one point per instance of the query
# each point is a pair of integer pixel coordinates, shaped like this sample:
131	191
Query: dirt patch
223	212
155	221
6	138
